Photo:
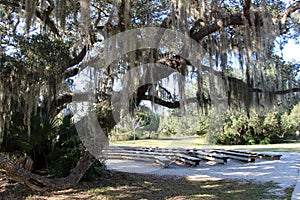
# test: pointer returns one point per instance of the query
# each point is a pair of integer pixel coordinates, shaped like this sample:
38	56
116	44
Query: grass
137	186
164	142
198	142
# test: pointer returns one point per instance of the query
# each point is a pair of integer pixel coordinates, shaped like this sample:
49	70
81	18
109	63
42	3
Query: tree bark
40	183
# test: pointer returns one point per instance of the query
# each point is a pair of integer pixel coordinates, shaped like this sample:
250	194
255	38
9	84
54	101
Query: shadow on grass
136	186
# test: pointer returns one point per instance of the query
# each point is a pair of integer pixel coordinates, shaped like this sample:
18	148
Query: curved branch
41	183
238	20
79	57
176	104
224	22
168	104
156	100
289	10
170	62
43	16
71	72
277	92
60	102
46	19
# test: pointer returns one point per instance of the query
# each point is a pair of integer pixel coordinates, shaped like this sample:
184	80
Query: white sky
291	51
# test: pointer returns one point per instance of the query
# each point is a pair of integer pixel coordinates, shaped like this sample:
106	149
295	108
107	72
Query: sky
291	51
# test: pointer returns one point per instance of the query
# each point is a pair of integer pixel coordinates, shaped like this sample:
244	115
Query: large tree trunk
41	183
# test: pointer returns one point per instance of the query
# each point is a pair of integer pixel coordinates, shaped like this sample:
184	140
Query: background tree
44	43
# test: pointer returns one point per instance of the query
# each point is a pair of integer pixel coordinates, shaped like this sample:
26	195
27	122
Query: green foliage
62	161
36	142
290	122
152	122
234	127
271	127
240	129
194	123
37	57
96	170
148	119
168	131
105	116
66	150
215	122
143	124
52	144
294	118
33	68
169	125
202	127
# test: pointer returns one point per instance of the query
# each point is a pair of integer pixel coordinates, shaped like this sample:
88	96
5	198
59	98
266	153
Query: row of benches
165	156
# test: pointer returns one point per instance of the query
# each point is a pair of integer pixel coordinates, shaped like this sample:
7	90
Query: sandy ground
285	171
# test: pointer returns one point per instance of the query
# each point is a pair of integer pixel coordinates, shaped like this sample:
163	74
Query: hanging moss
30	6
85	17
251	42
37	70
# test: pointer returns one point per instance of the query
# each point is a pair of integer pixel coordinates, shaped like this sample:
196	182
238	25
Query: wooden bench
188	159
268	156
128	156
163	161
139	152
160	159
236	156
162	150
218	158
240	151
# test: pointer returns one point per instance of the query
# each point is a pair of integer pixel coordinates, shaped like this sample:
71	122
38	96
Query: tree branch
246	9
276	92
79	57
46	19
224	22
45	16
61	101
288	11
175	60
237	19
161	102
71	72
41	183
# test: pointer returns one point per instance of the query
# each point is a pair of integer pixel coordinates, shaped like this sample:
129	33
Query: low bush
265	128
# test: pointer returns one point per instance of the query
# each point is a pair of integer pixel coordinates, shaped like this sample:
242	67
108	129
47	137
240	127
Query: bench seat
188	159
221	159
237	156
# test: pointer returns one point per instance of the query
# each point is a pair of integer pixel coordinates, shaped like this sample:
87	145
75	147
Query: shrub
66	150
238	128
52	144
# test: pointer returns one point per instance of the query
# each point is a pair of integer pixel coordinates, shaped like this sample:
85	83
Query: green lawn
198	142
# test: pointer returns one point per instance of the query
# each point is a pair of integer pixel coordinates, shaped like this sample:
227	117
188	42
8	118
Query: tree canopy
45	44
